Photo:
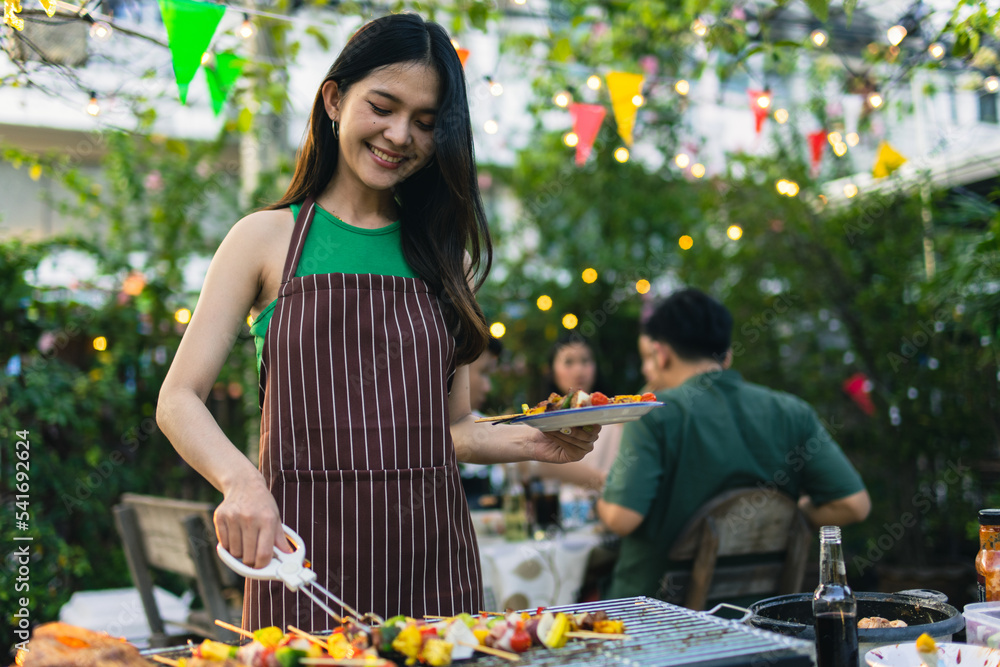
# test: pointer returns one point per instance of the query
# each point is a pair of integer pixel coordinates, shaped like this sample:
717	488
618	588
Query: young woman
358	281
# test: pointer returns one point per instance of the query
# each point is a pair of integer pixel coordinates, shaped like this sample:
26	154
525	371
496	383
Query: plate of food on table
578	408
433	641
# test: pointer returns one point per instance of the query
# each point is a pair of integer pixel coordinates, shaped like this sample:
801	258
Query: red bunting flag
760	103
859	388
817	145
587	119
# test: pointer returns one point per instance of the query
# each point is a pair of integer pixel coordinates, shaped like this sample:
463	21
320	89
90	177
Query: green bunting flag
190	27
221	78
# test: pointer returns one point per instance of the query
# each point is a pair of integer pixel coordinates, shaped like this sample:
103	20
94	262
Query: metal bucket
791	615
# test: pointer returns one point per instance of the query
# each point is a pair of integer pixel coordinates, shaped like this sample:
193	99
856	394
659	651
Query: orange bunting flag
463	55
624	89
587	119
887	161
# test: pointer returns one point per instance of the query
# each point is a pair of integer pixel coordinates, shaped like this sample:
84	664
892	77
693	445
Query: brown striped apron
356	448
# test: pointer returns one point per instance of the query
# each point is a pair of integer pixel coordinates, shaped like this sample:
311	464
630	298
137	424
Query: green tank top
333	246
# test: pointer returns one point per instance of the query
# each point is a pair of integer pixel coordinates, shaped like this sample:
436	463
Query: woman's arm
247	521
488	443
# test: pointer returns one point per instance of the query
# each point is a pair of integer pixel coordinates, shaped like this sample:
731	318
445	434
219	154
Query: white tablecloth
536	573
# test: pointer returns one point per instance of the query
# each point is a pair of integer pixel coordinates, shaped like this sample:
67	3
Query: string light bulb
699	27
544	302
570	321
682	87
561	99
834	138
682	160
840	149
697	170
638	100
496	90
853	139
100	31
991	84
594	82
497	329
519	2
787	187
246	30
100	343
621	154
936	50
764	99
642	286
735	232
850	190
93	108
781	115
571	139
491	126
589	276
182	315
875	99
685	242
819	38
896	34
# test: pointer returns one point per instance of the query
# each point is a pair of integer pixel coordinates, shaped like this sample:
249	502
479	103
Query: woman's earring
336	130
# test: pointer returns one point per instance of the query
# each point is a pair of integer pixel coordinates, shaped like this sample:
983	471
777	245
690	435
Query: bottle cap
989	517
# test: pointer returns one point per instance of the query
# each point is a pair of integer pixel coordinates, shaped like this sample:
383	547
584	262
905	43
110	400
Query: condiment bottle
515	509
835	609
988	558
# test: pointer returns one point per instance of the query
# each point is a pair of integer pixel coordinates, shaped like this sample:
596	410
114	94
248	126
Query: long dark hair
566	340
442	211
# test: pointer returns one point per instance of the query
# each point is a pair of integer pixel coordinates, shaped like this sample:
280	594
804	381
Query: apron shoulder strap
302	222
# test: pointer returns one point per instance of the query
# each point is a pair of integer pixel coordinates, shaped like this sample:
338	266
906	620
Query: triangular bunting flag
623	87
222	77
887	161
463	55
190	27
760	113
817	144
587	119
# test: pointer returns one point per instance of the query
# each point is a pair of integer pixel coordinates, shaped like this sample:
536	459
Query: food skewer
305	635
506	655
233	628
345	662
165	661
587	634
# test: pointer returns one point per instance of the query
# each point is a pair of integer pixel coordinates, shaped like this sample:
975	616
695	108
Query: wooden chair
743	522
177	536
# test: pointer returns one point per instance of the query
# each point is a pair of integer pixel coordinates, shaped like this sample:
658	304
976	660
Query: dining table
545	570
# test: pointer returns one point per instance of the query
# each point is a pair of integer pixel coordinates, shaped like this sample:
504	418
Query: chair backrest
741	522
175	536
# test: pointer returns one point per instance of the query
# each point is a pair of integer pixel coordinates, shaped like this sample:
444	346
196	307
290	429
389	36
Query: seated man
715	433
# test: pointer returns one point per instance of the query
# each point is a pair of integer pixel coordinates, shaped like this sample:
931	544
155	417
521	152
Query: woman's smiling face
386	123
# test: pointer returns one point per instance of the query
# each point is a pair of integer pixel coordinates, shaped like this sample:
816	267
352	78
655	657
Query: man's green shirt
715	433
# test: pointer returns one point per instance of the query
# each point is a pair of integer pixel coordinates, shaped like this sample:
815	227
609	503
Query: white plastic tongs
292	569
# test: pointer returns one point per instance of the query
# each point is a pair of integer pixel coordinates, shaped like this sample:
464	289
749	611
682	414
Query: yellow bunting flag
10	17
49	6
887	161
624	89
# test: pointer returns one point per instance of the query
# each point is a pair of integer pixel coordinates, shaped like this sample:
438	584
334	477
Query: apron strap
302	222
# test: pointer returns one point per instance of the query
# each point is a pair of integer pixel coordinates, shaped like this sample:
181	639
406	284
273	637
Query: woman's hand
561	447
248	525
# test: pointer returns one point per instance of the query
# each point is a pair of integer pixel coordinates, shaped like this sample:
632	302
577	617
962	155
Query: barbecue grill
661	635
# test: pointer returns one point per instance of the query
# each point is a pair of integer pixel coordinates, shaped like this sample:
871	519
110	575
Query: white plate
949	655
598	414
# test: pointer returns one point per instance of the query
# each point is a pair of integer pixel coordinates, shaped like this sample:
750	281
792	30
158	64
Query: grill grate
661	635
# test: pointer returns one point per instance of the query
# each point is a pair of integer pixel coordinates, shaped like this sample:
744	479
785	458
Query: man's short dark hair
694	324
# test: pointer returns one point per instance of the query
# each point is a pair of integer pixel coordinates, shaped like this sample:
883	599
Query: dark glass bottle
835	609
